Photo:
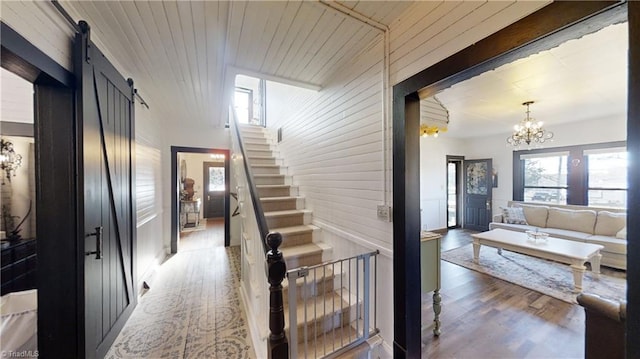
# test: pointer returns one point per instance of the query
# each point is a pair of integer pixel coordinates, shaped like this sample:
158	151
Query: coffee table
560	250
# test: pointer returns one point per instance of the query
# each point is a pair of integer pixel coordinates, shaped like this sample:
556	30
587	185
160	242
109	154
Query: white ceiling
581	79
180	51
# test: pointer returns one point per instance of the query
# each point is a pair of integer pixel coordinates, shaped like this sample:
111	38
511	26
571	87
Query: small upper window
243	103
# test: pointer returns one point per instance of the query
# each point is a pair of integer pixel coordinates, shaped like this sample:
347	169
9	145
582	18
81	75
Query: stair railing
277	344
329	330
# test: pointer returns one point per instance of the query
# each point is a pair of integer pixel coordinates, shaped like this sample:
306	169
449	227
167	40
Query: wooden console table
430	272
189	213
18	265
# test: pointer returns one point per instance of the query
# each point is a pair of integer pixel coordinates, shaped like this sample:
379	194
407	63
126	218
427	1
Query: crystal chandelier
9	159
528	131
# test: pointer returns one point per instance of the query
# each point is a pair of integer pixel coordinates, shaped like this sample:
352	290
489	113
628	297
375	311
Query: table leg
595	264
476	251
578	271
436	309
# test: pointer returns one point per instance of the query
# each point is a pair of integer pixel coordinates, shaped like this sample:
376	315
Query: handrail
257	205
276	268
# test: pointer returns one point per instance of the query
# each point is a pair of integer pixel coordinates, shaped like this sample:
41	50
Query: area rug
547	277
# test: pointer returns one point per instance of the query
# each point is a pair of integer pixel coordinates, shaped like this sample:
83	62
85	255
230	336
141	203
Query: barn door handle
98	234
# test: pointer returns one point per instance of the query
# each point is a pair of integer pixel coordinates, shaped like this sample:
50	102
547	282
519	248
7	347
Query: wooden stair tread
320	306
265	165
295	229
269	175
301	250
279	199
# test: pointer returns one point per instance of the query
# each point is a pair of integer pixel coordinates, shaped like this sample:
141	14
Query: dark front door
214	181
106	121
477	194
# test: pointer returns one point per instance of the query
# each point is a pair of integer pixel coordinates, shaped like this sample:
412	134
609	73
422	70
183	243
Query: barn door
106	125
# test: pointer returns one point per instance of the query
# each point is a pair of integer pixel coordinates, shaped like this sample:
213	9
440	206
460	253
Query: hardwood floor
482	317
485	317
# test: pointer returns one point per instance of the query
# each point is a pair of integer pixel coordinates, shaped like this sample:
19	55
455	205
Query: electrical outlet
384	213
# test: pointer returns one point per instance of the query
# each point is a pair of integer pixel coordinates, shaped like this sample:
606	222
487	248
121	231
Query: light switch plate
384	213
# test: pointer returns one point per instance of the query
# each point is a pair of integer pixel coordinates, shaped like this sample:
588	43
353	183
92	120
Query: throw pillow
622	234
513	215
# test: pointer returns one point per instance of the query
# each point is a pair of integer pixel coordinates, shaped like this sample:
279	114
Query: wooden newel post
278	346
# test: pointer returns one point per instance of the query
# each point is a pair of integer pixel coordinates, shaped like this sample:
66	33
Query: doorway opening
200	193
454	191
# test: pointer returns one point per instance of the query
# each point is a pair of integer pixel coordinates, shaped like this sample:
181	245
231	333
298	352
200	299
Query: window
607	178
216	179
545	178
593	175
243	103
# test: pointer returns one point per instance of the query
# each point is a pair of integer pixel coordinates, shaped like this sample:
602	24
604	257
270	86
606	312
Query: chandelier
528	131
9	159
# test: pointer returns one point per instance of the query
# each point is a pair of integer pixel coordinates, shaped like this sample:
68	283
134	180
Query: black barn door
106	125
477	194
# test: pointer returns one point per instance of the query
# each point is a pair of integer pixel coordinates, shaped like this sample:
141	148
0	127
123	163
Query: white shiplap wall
332	145
430	31
41	24
16	102
333	141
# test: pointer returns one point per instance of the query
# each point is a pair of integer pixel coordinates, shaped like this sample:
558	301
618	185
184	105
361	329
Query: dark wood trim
536	32
406	225
18	129
175	210
633	176
60	328
27	61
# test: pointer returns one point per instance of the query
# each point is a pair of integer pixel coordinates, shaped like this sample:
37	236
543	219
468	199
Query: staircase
324	296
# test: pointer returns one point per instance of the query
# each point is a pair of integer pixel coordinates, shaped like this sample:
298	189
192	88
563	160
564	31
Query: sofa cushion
622	234
535	215
573	220
611	244
609	223
513	215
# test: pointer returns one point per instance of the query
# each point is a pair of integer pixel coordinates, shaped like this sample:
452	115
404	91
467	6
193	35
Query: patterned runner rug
548	277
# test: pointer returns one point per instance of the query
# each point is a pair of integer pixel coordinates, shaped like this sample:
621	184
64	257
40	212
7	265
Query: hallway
193	308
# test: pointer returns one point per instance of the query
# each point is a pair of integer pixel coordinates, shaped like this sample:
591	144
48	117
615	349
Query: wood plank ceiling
179	52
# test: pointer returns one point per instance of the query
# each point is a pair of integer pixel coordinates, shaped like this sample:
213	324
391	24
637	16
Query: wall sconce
10	161
426	130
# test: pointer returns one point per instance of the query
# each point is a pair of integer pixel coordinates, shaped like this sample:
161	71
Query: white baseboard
258	341
387	350
387	252
148	276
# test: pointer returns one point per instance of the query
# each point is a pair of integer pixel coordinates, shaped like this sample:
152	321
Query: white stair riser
258	170
269	180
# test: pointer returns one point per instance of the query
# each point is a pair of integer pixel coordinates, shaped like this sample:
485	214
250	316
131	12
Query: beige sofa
604	226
